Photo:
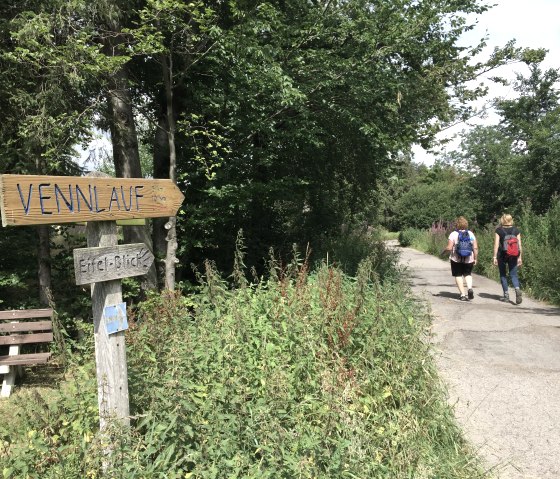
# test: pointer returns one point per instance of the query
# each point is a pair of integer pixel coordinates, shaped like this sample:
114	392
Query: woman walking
463	249
508	255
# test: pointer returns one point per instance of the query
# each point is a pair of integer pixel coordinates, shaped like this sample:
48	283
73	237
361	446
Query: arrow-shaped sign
92	265
34	199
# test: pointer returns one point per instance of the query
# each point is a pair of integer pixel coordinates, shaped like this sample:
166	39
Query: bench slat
26	338
25	326
25	359
26	313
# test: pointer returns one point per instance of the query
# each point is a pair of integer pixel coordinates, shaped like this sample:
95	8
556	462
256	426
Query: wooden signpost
110	349
33	199
92	265
100	201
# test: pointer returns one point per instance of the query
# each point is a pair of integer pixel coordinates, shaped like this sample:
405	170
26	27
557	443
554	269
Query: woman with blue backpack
463	249
507	255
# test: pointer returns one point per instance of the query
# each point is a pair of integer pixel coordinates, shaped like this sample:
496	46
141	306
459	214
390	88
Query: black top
502	231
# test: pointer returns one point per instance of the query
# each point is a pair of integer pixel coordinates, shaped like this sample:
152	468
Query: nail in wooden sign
36	199
93	265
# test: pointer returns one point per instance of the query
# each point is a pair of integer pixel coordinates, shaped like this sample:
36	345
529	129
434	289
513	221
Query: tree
436	194
289	114
175	35
121	118
518	160
318	101
40	125
494	168
76	52
532	123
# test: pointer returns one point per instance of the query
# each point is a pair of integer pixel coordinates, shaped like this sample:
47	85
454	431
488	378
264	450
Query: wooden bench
19	331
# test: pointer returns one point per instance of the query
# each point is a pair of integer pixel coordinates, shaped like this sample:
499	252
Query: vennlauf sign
34	199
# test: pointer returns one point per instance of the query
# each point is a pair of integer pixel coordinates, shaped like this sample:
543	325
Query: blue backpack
464	246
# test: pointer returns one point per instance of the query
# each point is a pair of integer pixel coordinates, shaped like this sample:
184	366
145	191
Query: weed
307	374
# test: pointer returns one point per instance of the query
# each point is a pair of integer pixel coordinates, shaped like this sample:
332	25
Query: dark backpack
510	245
464	246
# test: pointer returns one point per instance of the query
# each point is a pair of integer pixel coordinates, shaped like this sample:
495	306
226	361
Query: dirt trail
502	365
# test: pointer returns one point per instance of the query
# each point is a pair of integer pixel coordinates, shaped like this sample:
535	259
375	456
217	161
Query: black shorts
461	269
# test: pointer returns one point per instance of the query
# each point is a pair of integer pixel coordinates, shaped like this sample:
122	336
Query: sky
532	23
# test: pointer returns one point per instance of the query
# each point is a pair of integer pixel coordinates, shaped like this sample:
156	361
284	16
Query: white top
454	236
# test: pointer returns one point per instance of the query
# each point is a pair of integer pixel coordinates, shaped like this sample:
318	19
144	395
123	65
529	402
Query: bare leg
459	283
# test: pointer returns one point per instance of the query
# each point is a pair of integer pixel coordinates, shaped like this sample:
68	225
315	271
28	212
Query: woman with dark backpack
507	255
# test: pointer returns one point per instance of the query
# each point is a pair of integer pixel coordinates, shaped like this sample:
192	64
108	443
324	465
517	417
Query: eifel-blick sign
92	265
36	199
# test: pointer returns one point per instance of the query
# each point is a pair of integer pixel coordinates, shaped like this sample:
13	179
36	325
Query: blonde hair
461	223
506	220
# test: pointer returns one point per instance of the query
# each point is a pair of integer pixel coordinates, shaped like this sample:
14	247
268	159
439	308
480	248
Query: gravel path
501	363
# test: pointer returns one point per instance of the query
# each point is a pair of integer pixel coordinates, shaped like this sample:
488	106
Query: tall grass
431	241
303	375
349	249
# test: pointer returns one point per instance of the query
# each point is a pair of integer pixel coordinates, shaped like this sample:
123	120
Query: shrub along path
502	366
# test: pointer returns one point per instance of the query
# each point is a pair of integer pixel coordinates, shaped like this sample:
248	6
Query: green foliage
380	234
428	241
407	236
302	375
290	115
349	249
311	134
54	435
492	165
541	258
517	161
17	268
424	204
430	195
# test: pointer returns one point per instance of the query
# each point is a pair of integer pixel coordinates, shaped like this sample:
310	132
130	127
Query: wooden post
10	373
110	351
99	200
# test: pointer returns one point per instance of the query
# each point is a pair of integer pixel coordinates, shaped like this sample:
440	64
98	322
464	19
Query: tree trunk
161	170
170	258
44	258
127	159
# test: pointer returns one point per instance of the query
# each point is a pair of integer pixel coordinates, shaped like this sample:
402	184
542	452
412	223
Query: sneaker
463	298
518	296
505	298
471	294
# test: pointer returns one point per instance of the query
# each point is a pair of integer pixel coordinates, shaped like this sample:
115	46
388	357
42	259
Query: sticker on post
115	318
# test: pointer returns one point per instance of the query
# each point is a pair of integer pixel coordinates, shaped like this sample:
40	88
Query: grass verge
303	375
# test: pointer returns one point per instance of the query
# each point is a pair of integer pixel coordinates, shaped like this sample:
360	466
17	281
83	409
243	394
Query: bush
407	236
540	236
350	249
303	375
423	204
